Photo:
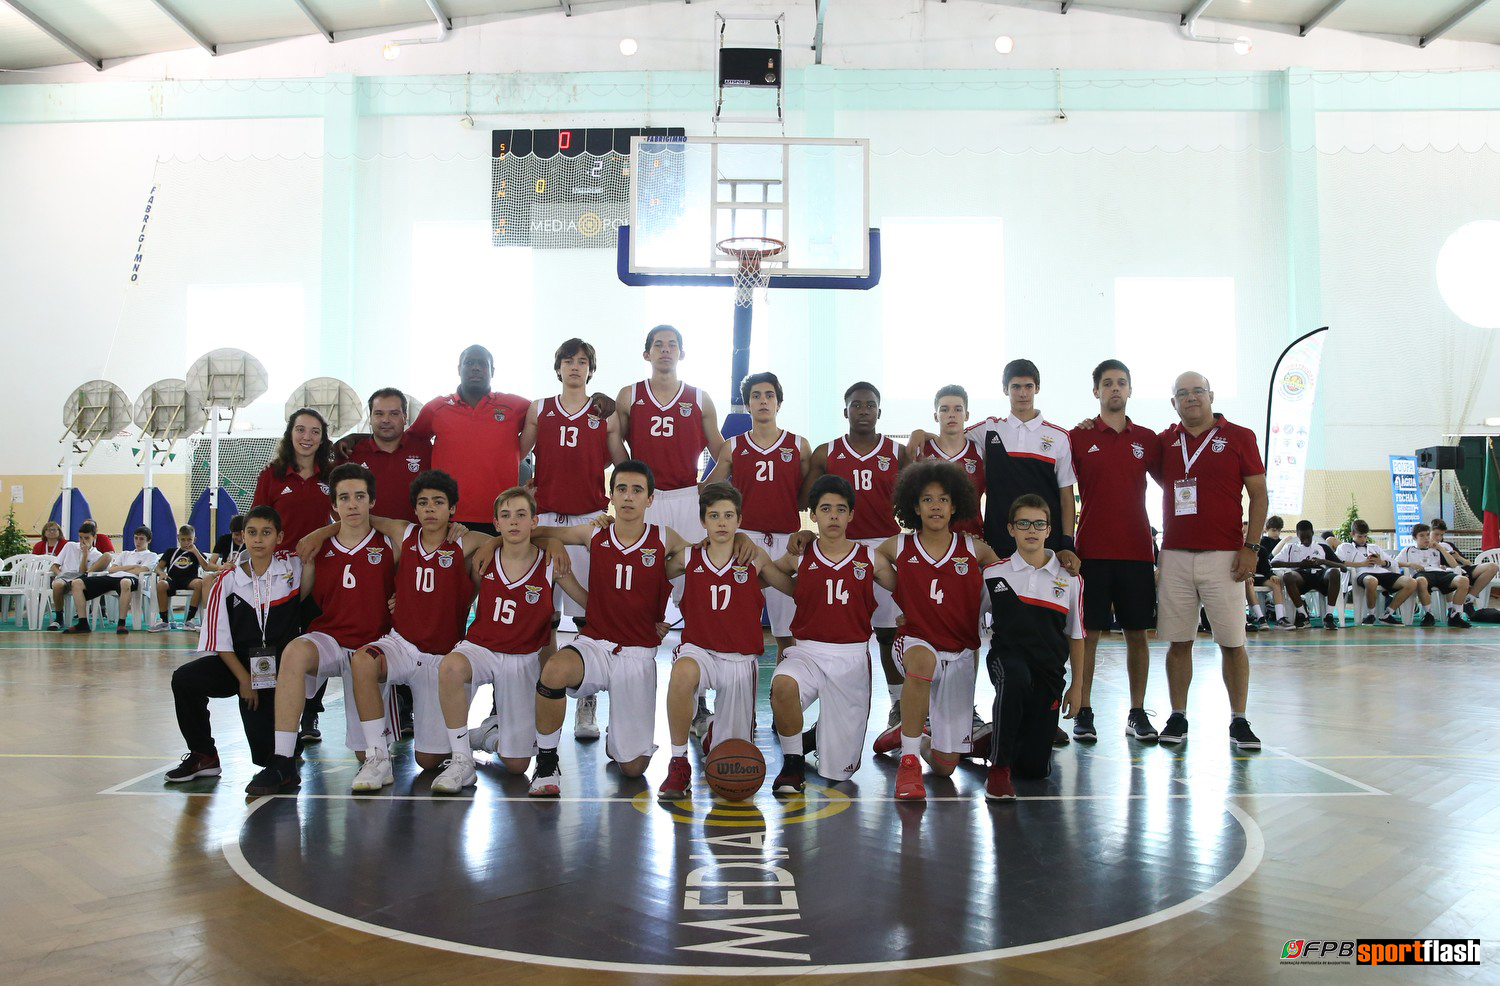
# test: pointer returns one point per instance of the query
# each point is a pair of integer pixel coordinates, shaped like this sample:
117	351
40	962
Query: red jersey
835	602
353	587
1226	455
971	460
940	596
480	447
433	593
770	480
721	606
572	456
514	617
302	504
628	587
1111	467
873	477
43	548
393	473
667	437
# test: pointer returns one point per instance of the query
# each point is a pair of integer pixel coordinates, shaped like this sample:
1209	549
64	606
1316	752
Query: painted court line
153	772
1331	773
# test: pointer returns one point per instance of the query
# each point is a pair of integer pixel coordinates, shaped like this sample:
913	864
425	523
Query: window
706	318
1190	319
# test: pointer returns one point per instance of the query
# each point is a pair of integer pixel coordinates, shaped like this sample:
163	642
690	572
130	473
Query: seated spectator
1424	560
1370	570
122	576
229	547
102	541
1258	620
52	539
1331	539
1479	576
180	570
1308	567
77	559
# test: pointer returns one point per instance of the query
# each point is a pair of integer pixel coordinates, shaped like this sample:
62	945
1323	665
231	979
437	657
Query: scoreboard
563	188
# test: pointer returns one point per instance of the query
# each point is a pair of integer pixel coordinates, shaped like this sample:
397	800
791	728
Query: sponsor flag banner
1406	497
1294	386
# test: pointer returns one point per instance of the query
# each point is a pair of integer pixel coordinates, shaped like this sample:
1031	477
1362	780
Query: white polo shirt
1296	551
1350	552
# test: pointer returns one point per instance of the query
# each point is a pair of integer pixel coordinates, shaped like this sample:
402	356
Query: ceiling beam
184	26
307	12
817	44
1318	18
1450	23
96	63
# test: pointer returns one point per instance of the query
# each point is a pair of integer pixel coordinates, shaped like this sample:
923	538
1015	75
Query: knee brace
548	692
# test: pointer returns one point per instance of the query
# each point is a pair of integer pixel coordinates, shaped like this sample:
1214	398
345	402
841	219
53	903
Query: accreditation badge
262	668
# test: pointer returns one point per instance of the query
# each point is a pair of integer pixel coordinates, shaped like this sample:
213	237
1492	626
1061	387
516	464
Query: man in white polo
1206	464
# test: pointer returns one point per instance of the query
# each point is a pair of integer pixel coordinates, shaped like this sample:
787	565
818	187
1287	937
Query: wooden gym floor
1373	812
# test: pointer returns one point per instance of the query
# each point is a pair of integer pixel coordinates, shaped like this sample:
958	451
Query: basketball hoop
749	252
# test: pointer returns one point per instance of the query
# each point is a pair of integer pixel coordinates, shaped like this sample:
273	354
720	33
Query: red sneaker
888	740
997	787
679	782
909	780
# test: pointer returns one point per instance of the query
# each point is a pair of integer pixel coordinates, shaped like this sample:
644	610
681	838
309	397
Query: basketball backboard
689	193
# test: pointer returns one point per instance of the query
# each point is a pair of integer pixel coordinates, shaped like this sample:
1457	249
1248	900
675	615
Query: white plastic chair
1490	557
14	588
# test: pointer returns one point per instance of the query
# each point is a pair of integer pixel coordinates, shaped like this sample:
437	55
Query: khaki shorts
1190	579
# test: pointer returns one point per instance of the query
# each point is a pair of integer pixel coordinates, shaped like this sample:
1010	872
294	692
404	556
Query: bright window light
270	320
1466	267
466	291
706	318
945	277
1169	325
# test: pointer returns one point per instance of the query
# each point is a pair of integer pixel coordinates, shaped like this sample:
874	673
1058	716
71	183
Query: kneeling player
835	603
935	577
352	580
503	647
722	638
1038	633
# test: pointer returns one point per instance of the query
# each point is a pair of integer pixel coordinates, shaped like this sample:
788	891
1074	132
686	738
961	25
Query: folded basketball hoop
749	252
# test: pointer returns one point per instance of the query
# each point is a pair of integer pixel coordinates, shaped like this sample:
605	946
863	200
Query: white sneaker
547	785
458	775
486	737
194	624
585	725
158	627
702	719
375	772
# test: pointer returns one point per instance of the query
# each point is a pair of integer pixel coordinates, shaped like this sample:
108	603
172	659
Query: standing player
950	409
767	465
835	598
934	573
1112	455
722	638
393	456
574	445
352	579
868	461
1038	633
503	647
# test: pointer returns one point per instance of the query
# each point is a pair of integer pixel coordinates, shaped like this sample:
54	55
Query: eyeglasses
1031	525
1195	392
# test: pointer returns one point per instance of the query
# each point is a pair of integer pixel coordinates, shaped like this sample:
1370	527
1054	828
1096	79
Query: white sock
374	730
895	691
1454	610
286	743
911	745
458	740
1257	611
1385	611
1281	611
679	751
791	744
549	741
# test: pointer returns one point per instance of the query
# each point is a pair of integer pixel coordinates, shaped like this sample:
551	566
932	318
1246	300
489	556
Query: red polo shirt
302	504
1111	467
394	472
1229	455
480	447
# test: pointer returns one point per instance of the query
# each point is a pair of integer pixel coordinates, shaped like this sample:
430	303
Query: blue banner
1406	497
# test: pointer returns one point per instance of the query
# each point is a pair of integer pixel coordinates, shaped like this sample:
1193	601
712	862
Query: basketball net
749	252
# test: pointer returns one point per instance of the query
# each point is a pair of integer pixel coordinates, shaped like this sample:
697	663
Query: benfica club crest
648	557
594	421
1137	450
884	461
1046	443
970	466
324	488
861	570
445	559
533	594
413	463
741	574
685	408
500	415
786	455
1059	587
373	554
1219	444
961	566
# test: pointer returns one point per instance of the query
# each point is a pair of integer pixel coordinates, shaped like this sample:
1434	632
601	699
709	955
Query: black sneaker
1175	731
1285	624
1251	626
1469	608
309	732
1428	620
1392	620
1368	621
1241	736
793	776
1138	724
79	626
1330	622
1083	726
1300	623
194	765
280	776
1060	738
1457	621
810	740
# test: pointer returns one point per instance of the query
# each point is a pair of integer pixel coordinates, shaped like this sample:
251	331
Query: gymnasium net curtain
1073	223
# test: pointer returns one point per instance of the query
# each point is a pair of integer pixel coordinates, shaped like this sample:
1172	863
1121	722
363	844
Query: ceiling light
1492	422
628	46
391	51
1242	45
1005	44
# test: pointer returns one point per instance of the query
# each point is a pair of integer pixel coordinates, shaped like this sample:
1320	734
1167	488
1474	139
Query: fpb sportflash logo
1382	951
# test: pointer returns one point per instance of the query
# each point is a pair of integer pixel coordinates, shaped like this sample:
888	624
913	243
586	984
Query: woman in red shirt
294	482
52	539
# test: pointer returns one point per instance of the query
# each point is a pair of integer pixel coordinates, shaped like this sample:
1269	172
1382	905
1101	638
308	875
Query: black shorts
181	581
1439	580
1126	588
1386	580
1316	579
95	586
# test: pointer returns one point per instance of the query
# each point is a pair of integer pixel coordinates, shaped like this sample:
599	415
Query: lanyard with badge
1185	490
262	658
